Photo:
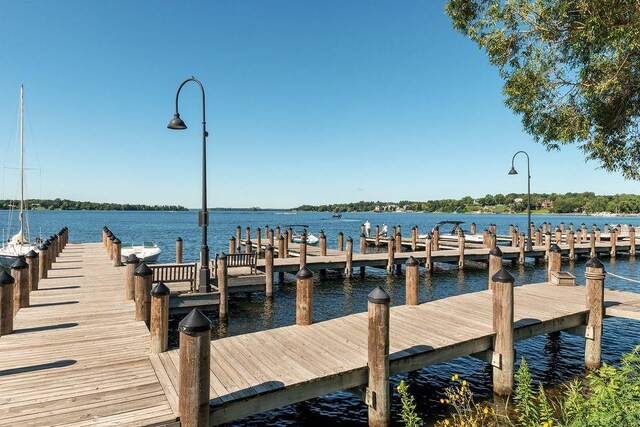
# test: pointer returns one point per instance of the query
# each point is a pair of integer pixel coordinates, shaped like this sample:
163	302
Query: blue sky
307	102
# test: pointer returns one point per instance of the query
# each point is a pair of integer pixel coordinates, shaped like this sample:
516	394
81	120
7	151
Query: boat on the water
301	230
336	215
149	252
453	234
18	245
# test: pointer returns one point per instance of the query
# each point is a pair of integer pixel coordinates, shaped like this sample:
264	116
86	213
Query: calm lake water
551	359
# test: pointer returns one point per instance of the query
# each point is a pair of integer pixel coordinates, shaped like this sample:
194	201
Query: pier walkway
256	372
77	357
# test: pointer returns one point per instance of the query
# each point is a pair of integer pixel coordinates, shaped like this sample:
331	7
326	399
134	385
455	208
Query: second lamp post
513	171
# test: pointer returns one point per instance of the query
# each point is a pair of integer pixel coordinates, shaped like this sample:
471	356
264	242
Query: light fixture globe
513	171
176	123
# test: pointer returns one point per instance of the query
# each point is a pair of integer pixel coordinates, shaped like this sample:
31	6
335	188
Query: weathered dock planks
256	372
77	357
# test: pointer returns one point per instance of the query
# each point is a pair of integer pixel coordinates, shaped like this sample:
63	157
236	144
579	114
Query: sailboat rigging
18	245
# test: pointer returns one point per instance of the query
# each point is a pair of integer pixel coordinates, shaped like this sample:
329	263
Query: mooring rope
623	278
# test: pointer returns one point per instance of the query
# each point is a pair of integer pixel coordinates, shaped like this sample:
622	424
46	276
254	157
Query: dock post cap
363	235
269	247
179	239
239	227
594	263
6	278
222	256
160	290
105	228
143	270
109	233
411	262
116	241
132	259
379	296
349	239
112	237
548	233
496	251
279	238
19	264
194	322
340	233
555	248
390	239
232	238
503	276
42	247
522	234
32	254
304	273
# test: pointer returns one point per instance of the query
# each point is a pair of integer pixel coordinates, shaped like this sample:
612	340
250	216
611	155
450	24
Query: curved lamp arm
512	160
193	79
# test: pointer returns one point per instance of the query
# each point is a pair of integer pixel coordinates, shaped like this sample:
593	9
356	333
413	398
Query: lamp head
513	171
176	123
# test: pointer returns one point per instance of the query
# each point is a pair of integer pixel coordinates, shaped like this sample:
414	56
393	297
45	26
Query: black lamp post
513	171
203	216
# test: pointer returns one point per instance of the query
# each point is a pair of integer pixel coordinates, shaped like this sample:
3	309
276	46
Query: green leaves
571	70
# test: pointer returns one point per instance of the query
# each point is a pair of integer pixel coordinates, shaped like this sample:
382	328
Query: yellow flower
456	376
441	400
461	422
446	422
545	425
464	382
636	388
462	388
485	410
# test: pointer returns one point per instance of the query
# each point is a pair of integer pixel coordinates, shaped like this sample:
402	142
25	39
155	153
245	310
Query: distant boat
18	245
336	215
147	252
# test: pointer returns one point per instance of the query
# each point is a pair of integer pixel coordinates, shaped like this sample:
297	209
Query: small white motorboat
297	235
147	252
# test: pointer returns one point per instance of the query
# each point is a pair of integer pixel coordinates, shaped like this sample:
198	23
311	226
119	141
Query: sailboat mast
21	157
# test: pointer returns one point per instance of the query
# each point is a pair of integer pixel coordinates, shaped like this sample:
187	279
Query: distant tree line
73	205
586	203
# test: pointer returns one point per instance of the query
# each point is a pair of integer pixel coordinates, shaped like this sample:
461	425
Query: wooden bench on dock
239	260
175	273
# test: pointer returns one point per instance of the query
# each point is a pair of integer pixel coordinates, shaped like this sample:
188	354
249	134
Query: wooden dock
77	357
260	371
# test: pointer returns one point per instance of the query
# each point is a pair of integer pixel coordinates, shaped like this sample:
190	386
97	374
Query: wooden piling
390	254
223	287
504	351
7	285
363	250
592	244
414	239
304	296
117	253
232	245
159	325
538	237
427	248
558	236
594	276
271	238
323	243
632	241
131	264
613	238
258	241
460	250
179	250
32	262
562	228
435	239
522	246
42	261
340	241
495	265
473	228
21	290
238	238
248	246
303	250
286	245
289	235
379	403
571	244
143	279
195	380
248	233
555	259
376	235
598	235
268	270
547	245
412	281
398	242
348	270
104	236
